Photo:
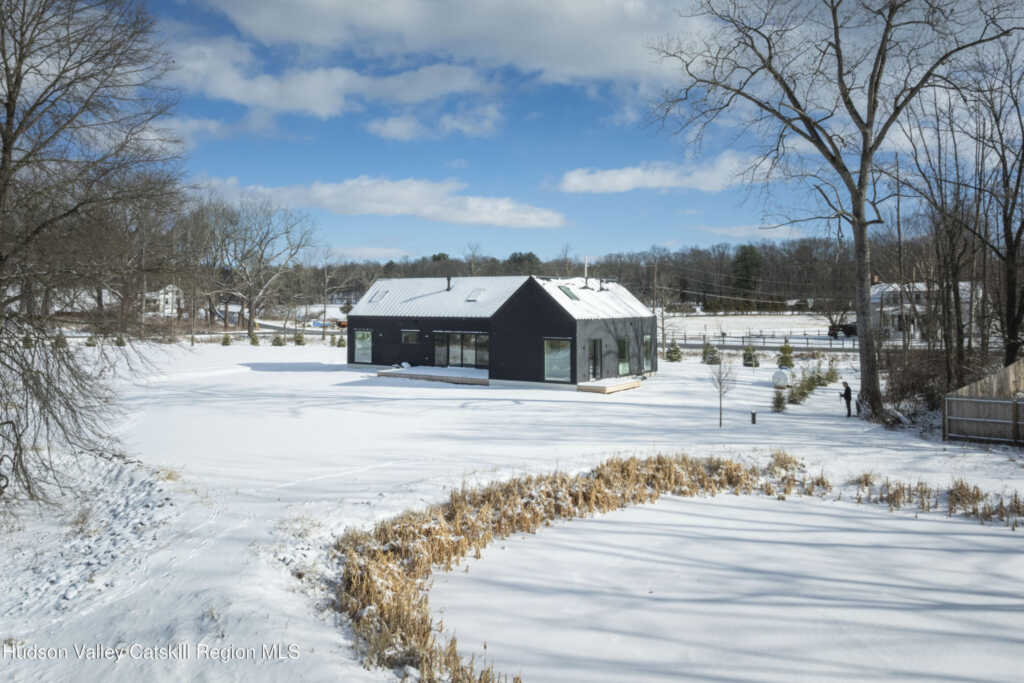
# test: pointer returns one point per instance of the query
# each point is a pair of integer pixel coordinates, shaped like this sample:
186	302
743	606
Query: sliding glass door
462	349
440	349
455	349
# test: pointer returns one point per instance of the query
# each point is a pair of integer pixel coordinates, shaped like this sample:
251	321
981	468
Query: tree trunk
250	324
870	390
1011	344
947	329
958	328
28	298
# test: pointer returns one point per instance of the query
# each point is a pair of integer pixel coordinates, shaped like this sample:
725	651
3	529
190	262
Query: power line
705	271
735	298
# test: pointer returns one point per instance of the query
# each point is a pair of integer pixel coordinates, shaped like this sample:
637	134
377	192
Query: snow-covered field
778	324
251	459
745	588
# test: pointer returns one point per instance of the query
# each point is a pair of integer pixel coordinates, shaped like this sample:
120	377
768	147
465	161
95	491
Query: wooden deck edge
603	389
479	381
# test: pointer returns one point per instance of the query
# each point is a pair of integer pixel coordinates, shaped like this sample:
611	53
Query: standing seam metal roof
594	300
429	297
481	297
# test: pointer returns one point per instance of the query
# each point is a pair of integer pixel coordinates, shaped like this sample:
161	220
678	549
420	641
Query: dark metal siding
609	331
388	348
518	331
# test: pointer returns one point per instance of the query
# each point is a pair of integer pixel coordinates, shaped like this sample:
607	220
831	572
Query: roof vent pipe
449	287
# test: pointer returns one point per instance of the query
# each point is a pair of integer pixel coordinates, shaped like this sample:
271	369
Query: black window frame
622	347
568	343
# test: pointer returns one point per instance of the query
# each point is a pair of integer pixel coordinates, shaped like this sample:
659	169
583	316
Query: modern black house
519	328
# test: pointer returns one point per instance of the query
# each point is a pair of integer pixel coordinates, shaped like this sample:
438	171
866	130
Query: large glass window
454	349
364	346
595	358
410	336
462	349
483	350
441	348
468	350
623	356
648	353
557	360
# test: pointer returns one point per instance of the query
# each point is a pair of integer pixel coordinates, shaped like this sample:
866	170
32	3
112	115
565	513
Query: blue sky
406	128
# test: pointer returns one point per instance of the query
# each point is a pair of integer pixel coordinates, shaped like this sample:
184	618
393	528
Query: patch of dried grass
818	485
387	571
865	480
782	462
961	497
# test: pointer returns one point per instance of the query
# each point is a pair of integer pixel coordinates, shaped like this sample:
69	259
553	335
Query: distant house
895	307
166	302
518	328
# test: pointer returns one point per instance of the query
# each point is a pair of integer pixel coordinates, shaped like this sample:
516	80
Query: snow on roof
480	297
429	297
878	289
594	300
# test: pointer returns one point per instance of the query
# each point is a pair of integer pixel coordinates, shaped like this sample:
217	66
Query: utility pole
899	262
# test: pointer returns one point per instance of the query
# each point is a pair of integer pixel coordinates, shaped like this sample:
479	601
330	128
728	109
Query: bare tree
723	376
945	178
565	260
821	84
472	257
198	254
996	101
79	96
263	241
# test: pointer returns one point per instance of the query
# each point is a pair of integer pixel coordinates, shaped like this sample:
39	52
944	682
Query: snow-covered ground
745	588
252	459
778	324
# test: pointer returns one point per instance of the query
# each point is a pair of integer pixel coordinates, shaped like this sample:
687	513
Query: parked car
846	329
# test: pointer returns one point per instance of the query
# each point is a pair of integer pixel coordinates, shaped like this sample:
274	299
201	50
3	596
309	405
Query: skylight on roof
474	295
378	296
568	292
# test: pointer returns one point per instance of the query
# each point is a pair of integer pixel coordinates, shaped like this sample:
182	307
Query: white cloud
561	41
432	200
473	123
226	69
404	127
722	172
191	130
